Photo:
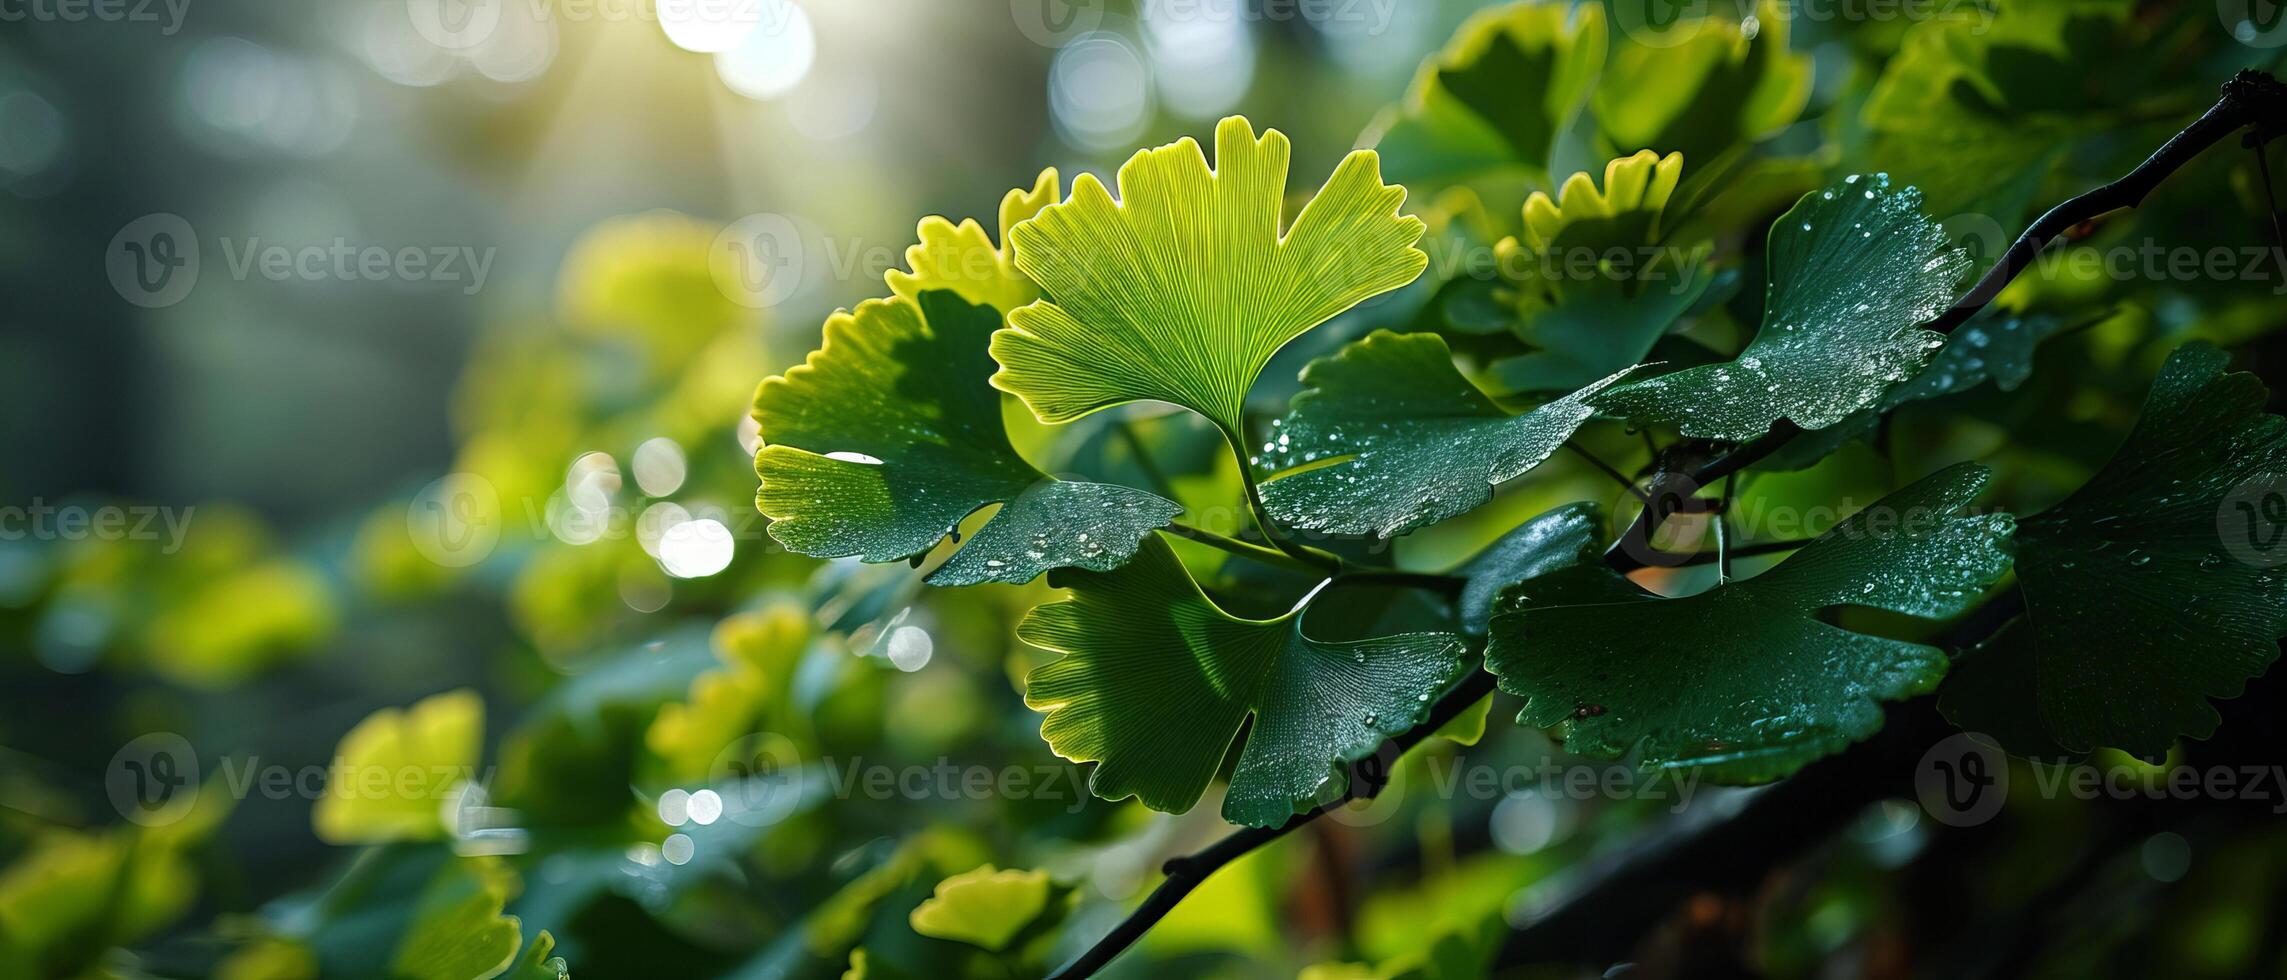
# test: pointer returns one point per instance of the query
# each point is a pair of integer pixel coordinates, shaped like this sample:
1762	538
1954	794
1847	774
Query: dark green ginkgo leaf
1559	539
1855	269
1744	677
2158	585
1156	682
1182	288
1389	437
1999	350
889	435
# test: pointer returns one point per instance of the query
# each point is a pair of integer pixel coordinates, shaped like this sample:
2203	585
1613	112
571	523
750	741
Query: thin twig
1609	470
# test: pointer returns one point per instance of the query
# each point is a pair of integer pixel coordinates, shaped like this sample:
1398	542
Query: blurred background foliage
661	699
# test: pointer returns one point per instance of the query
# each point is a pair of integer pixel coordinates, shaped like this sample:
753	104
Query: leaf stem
1320	559
1244	549
1608	470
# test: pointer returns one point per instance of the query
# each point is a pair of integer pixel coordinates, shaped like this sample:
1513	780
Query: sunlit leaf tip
1636	188
888	436
964	258
436	737
1182	288
986	907
1744	677
1156	681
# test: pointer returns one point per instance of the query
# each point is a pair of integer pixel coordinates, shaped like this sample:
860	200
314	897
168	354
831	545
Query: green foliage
1854	270
1743	677
1390	437
1156	680
1181	290
889	435
2140	605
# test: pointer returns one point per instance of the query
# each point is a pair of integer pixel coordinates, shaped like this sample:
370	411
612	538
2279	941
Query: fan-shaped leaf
436	739
964	259
1182	289
1156	681
1390	437
1743	677
1507	85
1854	269
985	907
2149	591
889	435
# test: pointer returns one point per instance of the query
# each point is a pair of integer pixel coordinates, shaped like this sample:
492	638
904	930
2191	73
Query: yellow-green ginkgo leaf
986	907
1702	86
458	931
1156	681
964	259
1592	282
1855	270
1501	93
889	435
1182	289
540	961
394	775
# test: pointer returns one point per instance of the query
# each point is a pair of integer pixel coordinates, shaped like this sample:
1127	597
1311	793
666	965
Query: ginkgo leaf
1559	539
1389	437
458	931
1181	290
758	651
1999	350
539	961
964	259
1499	95
1855	269
2158	585
1744	677
985	907
370	801
1587	315
889	435
1704	86
1156	681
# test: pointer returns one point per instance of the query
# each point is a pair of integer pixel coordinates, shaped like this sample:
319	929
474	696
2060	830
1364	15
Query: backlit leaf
985	907
370	800
1181	290
1507	85
889	435
964	259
